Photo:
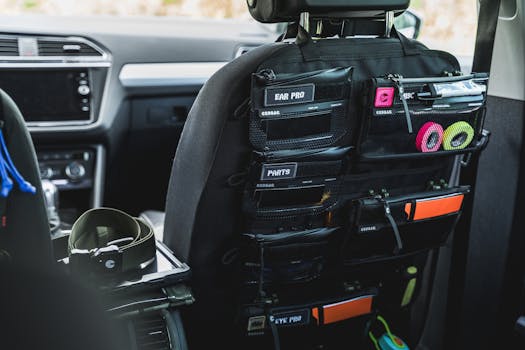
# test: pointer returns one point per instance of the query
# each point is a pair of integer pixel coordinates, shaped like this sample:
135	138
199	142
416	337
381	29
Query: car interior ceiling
330	184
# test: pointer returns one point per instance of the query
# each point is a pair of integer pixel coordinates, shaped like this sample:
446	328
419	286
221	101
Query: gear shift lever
51	199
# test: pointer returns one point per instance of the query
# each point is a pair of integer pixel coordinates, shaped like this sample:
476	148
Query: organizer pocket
287	257
291	165
400	225
423	117
275	200
322	312
400	279
292	111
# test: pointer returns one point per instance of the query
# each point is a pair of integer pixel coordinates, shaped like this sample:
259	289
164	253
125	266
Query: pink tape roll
430	137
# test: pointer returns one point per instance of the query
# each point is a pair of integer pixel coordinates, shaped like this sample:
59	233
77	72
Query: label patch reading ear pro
281	171
289	95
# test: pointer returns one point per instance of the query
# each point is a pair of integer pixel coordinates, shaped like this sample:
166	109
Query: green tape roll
458	136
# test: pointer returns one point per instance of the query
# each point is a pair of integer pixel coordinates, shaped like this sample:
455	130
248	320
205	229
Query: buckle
99	260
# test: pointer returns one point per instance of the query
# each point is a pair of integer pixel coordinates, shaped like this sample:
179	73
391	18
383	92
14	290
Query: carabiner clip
387	341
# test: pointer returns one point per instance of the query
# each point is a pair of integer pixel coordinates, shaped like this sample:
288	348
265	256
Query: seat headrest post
319	29
304	21
389	23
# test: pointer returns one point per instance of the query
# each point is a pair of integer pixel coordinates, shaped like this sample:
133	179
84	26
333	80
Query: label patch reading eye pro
291	318
281	171
278	96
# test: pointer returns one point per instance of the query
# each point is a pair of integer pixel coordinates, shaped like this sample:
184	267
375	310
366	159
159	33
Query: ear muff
458	136
430	137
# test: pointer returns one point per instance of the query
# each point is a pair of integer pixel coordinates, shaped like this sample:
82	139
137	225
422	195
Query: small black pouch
385	227
293	189
287	257
293	111
259	319
292	196
292	165
423	117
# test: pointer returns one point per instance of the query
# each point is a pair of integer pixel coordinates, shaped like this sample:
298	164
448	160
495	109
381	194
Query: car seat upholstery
26	236
204	210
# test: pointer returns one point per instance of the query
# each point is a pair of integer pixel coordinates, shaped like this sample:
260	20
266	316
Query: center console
58	83
77	174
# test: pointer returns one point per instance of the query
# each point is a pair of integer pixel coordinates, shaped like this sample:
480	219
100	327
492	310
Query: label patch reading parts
281	171
288	95
291	318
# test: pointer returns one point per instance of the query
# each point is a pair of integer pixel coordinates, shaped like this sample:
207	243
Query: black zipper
268	77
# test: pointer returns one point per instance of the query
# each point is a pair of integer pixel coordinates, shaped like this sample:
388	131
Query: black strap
291	32
409	46
106	240
310	50
487	25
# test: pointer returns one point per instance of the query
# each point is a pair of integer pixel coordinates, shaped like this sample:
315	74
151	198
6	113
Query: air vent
8	47
66	48
151	333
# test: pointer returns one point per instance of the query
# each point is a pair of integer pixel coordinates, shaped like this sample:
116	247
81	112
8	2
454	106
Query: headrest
272	11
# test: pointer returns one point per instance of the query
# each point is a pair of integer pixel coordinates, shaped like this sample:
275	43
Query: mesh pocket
423	117
300	111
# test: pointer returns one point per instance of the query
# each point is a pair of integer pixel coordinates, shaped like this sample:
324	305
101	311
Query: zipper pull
397	79
401	89
393	224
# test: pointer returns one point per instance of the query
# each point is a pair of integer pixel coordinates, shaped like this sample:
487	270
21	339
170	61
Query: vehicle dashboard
105	98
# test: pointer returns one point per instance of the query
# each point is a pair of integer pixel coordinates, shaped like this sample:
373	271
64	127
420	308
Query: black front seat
25	233
41	307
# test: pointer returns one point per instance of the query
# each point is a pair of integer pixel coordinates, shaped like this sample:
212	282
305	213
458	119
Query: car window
161	8
449	25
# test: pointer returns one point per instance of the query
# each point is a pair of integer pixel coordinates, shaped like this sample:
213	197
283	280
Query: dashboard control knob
46	172
83	90
75	171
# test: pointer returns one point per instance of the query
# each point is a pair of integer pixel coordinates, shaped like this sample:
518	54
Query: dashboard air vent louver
151	333
8	47
66	48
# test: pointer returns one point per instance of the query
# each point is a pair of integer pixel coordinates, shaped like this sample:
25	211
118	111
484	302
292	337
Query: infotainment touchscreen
51	95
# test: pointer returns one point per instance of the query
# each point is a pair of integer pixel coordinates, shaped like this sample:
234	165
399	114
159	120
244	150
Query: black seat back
25	234
216	217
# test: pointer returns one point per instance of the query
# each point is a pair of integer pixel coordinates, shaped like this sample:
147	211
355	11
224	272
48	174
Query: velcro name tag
281	171
278	96
291	318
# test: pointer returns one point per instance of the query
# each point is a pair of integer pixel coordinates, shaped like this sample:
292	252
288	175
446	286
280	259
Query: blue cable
7	183
24	185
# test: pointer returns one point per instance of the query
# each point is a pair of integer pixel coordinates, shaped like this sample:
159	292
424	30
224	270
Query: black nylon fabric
370	57
26	236
204	211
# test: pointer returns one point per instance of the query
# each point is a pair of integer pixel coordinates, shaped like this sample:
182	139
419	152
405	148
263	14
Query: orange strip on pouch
431	208
315	314
347	309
